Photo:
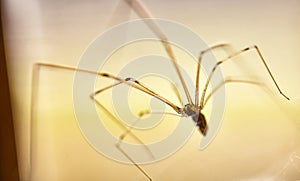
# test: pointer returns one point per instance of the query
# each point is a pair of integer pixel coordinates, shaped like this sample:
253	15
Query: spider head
198	117
201	123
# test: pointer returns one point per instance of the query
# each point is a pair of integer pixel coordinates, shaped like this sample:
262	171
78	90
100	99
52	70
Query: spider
191	109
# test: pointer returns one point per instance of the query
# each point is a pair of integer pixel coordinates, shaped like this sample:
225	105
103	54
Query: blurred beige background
259	134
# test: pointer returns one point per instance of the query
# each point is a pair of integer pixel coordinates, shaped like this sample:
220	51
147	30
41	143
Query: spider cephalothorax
197	116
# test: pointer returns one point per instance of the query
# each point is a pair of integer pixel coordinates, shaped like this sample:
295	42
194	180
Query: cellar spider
193	108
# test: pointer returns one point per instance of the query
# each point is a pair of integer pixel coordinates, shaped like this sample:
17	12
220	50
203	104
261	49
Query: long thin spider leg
230	80
122	126
177	93
142	114
141	84
143	12
129	79
35	80
133	135
223	45
128	131
144	89
118	146
120	14
229	58
176	108
34	104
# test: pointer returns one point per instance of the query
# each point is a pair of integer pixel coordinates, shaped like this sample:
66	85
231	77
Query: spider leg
254	47
128	131
144	13
118	145
230	80
217	46
137	85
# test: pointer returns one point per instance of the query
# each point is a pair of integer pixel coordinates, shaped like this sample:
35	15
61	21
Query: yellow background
259	132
